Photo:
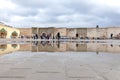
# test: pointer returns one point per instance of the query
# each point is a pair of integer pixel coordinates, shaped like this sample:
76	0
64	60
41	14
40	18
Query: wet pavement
61	65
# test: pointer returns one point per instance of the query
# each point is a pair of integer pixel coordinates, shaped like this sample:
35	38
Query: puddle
60	60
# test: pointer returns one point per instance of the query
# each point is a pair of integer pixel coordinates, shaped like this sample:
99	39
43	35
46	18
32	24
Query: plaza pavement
59	66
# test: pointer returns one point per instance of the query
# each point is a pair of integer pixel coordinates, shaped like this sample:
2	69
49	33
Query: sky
60	13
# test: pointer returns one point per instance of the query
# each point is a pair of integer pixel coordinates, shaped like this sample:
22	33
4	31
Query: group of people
115	36
58	36
46	36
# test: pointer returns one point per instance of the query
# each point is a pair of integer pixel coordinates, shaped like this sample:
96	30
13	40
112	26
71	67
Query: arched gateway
3	33
14	34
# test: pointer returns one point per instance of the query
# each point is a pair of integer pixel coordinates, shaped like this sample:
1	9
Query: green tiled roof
14	32
3	30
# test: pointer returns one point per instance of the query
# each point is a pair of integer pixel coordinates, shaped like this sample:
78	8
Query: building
77	33
8	31
59	33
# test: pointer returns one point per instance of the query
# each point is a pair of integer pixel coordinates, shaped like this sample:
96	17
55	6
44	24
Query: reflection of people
76	45
35	36
97	52
58	45
48	36
111	45
44	43
35	43
45	36
53	37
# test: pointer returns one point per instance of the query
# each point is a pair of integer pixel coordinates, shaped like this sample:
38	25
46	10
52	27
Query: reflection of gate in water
45	46
14	45
3	47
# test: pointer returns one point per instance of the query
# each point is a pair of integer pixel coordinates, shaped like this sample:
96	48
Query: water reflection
111	45
8	48
3	47
47	46
58	46
14	45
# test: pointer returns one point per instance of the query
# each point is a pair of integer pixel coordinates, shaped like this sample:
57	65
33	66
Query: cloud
60	13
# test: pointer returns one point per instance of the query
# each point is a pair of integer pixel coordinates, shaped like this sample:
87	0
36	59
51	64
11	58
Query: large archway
14	34
58	36
3	33
44	35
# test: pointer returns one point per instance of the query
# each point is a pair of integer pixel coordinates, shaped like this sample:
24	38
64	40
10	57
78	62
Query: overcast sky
60	13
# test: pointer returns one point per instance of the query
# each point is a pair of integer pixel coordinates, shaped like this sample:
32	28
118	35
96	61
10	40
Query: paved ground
59	66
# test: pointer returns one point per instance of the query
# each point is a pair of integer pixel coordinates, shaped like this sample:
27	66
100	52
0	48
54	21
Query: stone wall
62	31
82	32
25	31
113	30
71	32
35	30
91	33
101	33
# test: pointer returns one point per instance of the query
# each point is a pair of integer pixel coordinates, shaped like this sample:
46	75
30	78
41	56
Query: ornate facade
8	32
